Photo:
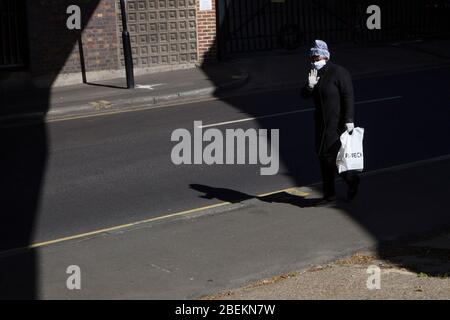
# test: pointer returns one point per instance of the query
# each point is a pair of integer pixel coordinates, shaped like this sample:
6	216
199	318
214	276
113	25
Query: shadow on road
25	154
384	214
390	207
232	196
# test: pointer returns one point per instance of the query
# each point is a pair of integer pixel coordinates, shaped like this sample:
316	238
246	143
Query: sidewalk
108	95
257	71
288	69
412	270
201	253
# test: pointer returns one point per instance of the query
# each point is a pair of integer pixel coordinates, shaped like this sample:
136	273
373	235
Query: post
128	56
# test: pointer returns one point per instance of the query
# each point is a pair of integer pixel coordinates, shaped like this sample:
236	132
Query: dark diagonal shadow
106	85
24	155
233	196
393	207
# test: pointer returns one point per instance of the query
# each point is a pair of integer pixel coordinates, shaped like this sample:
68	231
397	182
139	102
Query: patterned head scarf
320	48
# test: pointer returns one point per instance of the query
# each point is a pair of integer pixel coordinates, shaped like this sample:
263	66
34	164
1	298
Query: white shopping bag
351	156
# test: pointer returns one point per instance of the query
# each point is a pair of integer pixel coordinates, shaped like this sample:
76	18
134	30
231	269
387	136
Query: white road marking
160	268
290	112
217	205
254	118
149	86
378	100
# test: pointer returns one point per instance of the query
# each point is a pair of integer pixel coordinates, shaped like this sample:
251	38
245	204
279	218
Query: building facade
165	35
174	34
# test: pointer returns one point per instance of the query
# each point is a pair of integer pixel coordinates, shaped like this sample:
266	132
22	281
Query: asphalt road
68	177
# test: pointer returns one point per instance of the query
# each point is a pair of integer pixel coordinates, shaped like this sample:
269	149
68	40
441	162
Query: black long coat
334	101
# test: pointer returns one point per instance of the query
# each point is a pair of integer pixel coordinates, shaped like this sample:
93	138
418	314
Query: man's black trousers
329	170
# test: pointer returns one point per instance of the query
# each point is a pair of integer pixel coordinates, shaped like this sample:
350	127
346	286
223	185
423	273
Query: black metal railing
256	25
12	33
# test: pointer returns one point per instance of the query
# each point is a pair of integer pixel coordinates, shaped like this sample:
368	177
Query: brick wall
54	48
206	33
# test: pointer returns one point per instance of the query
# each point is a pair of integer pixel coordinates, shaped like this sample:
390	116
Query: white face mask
318	64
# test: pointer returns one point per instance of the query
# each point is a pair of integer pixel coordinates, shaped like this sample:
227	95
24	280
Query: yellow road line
291	190
127	225
132	224
143	107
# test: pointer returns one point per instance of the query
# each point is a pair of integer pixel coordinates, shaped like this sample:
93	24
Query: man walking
331	88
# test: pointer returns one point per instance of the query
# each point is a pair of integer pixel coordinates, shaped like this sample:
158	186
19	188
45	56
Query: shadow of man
386	215
233	196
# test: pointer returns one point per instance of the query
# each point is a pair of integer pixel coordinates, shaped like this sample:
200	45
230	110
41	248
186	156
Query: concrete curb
137	103
356	76
146	102
132	103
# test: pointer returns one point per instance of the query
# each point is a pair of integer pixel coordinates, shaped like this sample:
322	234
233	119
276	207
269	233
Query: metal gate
255	25
12	33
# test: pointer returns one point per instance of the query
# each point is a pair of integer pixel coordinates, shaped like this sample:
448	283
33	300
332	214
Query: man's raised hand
313	79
